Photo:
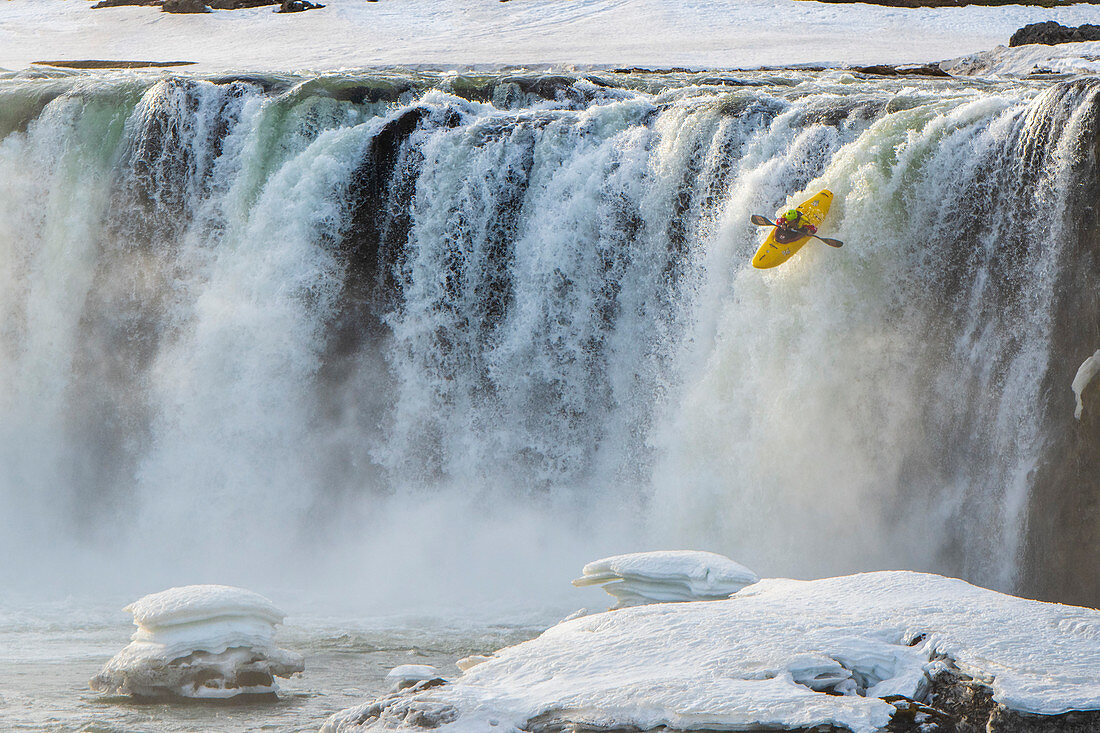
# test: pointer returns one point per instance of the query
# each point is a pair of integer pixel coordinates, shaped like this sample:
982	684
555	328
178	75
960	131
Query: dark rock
239	4
1060	562
902	70
184	6
421	684
297	6
1051	33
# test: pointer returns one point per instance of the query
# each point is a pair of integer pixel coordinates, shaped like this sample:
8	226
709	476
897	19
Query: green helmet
792	215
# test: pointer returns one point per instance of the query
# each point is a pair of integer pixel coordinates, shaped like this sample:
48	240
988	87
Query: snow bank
200	641
1088	370
1065	58
767	657
667	576
353	33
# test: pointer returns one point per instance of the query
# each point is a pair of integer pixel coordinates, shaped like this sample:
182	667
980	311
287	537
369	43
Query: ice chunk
407	675
190	603
781	654
471	661
1085	374
667	576
200	641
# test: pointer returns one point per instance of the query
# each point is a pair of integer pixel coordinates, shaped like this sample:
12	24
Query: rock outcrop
184	6
1051	33
297	6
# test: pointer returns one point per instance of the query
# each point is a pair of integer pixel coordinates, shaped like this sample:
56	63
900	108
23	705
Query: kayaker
792	221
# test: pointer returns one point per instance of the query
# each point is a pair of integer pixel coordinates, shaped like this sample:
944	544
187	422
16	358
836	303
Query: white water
578	359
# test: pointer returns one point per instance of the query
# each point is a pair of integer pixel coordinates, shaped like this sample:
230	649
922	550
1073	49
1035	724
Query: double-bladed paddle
763	221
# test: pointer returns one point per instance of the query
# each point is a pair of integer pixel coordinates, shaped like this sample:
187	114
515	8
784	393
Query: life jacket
796	223
787	221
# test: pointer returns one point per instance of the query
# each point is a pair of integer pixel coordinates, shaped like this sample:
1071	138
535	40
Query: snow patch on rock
407	675
200	641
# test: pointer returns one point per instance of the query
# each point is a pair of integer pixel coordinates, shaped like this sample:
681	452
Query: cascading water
436	329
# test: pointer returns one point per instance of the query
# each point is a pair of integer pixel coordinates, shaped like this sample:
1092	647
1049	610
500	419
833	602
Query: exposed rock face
240	4
297	6
184	6
1051	33
1060	561
902	70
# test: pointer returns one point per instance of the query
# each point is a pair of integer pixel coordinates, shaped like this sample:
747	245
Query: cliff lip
864	653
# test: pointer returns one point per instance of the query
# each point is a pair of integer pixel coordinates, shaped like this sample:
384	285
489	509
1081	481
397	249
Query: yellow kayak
774	251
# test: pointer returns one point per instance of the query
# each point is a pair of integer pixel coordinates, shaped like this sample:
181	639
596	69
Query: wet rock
240	4
902	70
403	709
184	6
297	6
1051	33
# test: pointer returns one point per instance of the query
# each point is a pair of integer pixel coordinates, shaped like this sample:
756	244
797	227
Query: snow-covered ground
356	33
767	657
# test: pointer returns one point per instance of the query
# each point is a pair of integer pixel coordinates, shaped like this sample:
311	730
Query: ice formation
407	675
1065	58
1088	370
666	576
780	654
200	641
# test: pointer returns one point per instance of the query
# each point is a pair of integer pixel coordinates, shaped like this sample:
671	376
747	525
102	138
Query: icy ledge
768	657
665	576
1087	372
200	641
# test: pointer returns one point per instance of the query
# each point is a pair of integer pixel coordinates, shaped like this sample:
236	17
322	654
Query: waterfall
434	328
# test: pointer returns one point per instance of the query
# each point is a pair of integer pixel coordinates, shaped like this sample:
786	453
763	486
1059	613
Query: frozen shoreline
729	34
845	653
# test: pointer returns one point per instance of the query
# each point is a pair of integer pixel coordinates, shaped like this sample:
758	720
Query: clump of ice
1065	58
407	675
200	641
780	654
667	576
1088	370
